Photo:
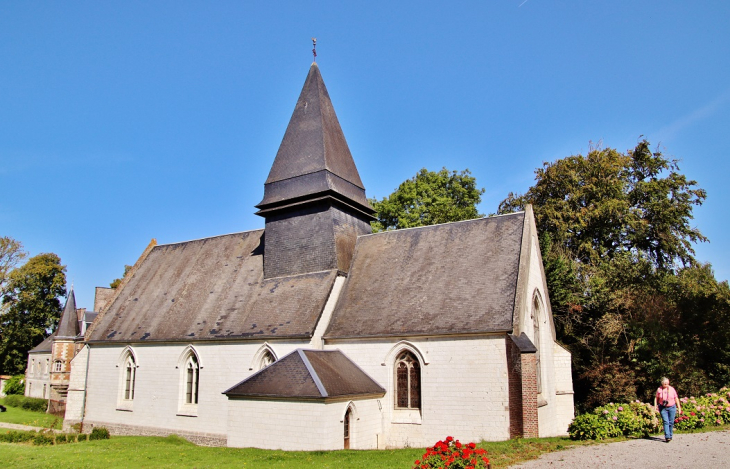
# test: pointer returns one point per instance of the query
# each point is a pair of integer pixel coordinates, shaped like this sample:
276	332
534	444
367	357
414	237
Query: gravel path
694	450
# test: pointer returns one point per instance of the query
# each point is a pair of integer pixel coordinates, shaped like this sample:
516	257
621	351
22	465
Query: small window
267	358
192	373
348	415
58	366
408	382
130	373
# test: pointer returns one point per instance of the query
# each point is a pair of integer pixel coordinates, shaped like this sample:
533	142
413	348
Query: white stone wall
551	413
76	389
301	425
464	390
37	377
159	381
564	390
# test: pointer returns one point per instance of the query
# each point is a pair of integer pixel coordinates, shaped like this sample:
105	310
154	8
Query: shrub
43	438
712	409
452	454
99	433
593	427
14	436
27	403
638	419
15	386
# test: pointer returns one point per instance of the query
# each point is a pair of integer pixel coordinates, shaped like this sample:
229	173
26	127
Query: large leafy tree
429	198
616	237
11	253
32	308
605	203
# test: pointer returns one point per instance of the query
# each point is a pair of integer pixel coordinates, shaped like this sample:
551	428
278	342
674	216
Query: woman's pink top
668	394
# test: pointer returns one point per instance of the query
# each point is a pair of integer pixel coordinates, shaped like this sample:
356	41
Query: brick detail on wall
522	383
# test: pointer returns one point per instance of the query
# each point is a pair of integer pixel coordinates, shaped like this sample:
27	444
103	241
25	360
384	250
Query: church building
313	333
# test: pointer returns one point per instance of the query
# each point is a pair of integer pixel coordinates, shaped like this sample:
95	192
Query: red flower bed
452	454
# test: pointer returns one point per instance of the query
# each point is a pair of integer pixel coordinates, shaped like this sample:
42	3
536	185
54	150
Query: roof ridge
490	217
312	373
210	237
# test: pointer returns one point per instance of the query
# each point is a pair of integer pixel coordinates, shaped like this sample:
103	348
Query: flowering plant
637	419
451	453
712	409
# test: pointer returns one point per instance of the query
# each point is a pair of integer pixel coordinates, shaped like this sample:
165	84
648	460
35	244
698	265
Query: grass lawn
134	451
27	417
175	452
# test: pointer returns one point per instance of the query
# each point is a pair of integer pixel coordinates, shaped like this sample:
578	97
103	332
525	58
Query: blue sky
126	121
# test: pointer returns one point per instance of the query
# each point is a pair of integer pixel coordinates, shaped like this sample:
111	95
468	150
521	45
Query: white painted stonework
37	376
464	384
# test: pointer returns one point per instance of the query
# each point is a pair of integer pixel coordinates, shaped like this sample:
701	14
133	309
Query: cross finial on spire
314	48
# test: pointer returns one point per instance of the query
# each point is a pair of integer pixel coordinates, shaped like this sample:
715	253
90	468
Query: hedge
640	419
28	403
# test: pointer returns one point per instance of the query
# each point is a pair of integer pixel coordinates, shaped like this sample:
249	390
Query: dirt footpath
695	450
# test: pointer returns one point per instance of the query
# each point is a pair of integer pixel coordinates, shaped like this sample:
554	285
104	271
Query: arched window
58	366
536	317
130	373
407	381
267	358
347	421
127	366
192	375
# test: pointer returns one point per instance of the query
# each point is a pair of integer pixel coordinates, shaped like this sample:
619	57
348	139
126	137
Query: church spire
314	201
68	325
313	159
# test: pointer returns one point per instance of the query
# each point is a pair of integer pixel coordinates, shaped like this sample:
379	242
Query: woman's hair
664	380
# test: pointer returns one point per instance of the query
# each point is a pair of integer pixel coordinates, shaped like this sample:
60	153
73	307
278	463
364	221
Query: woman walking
667	403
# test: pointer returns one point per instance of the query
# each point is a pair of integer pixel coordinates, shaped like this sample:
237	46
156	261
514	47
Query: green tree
118	281
607	202
11	253
32	309
429	198
616	238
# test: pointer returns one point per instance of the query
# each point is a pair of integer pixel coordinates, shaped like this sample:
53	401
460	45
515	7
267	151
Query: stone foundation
199	438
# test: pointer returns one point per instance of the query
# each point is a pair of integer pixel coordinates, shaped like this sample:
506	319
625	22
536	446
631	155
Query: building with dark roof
49	363
314	333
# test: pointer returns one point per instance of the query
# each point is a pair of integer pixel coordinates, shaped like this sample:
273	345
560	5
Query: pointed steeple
314	201
68	325
313	160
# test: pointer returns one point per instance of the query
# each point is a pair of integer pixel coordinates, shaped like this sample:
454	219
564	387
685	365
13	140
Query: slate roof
68	325
313	158
212	288
44	347
443	279
308	374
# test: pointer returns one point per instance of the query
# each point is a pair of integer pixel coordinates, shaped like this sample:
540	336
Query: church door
348	414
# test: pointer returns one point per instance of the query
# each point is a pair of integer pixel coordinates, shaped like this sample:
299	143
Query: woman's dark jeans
668	414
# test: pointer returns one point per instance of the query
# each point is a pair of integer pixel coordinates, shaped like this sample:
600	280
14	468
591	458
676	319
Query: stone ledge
199	438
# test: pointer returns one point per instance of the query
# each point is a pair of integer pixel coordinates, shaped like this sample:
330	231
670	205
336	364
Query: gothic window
130	372
127	366
348	416
407	381
267	358
192	373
